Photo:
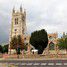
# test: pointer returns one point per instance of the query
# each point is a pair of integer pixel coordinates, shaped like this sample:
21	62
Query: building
18	23
52	44
18	27
53	39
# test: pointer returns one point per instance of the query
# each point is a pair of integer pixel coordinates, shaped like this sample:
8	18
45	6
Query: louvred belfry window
23	18
16	21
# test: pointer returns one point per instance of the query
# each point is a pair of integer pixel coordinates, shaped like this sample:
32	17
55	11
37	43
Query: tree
1	49
63	43
5	48
39	39
20	42
13	43
17	43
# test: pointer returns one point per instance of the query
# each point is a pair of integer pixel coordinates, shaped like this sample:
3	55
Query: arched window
51	38
23	18
51	46
16	21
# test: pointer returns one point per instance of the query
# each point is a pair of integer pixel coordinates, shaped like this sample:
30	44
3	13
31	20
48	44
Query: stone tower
18	23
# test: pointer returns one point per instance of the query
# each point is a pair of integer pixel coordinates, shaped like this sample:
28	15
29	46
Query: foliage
17	43
13	43
39	40
63	43
1	49
25	47
5	48
20	42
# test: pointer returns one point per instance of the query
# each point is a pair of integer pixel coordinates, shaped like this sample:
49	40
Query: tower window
16	21
15	29
23	18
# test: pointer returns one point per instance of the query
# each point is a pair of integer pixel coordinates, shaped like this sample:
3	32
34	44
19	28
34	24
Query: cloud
53	15
47	14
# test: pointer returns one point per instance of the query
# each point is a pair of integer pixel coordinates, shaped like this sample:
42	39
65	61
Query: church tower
18	22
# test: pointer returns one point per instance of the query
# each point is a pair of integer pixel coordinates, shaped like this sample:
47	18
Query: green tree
63	43
39	39
5	48
1	49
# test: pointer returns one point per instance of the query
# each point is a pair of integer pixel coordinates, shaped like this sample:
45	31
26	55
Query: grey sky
47	14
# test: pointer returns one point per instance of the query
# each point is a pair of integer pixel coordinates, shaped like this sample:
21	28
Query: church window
51	46
16	21
51	38
15	29
23	18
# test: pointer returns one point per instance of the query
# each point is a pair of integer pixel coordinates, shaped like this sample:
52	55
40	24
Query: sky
50	15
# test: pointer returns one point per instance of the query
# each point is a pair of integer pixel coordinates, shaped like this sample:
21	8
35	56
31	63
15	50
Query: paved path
35	63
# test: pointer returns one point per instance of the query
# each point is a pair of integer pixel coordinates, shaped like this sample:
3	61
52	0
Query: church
18	24
18	27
